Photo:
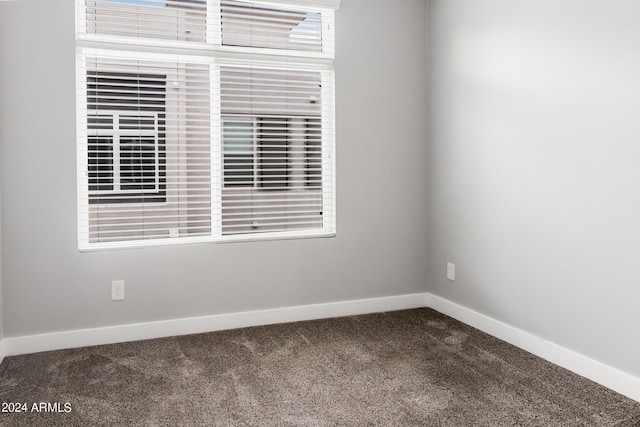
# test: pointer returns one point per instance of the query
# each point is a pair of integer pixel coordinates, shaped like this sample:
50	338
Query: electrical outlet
117	290
451	272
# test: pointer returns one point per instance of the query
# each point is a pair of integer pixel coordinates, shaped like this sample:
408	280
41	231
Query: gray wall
381	243
2	125
534	167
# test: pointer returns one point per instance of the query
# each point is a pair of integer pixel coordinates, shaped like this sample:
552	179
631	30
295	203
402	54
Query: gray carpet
412	367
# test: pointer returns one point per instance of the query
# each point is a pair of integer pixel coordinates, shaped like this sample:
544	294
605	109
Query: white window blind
144	21
268	190
263	26
204	121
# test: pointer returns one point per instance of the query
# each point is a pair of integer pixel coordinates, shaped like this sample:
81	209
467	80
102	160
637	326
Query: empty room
319	212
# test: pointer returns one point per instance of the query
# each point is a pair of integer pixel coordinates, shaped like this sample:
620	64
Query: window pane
280	103
159	148
181	20
238	136
265	27
138	165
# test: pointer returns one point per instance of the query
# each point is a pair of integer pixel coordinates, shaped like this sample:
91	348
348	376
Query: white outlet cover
451	271
117	290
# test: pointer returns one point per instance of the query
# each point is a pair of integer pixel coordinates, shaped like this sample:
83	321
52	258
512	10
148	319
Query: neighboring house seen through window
258	152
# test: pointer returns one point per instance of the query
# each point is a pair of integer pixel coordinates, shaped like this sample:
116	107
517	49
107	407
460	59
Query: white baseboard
2	350
605	375
609	377
195	325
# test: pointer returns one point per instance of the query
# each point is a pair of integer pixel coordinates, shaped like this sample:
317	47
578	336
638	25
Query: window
256	153
204	120
256	149
126	132
239	152
253	25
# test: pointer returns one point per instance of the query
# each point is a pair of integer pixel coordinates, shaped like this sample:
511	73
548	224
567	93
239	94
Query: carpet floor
405	368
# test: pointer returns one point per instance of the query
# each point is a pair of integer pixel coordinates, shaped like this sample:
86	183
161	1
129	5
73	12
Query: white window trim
316	4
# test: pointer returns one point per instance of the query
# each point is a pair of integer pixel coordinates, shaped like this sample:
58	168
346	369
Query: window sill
179	241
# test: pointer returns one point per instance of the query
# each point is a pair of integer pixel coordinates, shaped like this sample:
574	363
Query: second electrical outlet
451	271
117	290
